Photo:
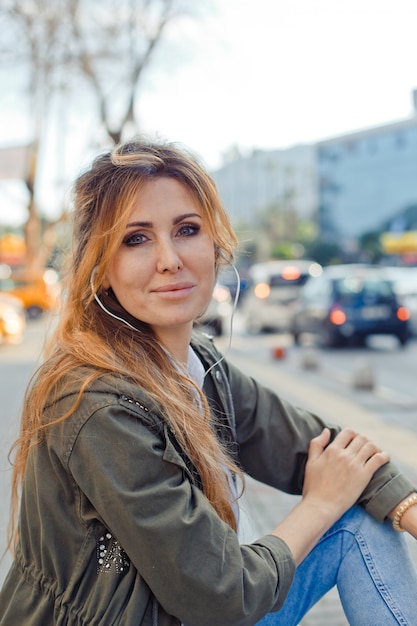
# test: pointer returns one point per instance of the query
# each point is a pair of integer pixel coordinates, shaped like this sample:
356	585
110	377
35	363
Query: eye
135	239
188	230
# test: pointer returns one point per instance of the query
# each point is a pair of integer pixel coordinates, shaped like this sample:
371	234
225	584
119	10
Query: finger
376	461
344	438
360	443
318	444
365	449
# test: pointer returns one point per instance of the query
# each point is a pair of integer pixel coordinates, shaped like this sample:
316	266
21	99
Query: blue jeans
371	566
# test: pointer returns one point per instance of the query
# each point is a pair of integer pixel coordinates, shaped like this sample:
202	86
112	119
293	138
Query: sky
267	74
274	73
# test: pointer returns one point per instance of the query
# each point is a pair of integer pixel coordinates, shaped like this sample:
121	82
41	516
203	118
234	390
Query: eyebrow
177	220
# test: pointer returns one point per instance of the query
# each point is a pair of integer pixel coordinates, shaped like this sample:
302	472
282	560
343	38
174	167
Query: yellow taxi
38	294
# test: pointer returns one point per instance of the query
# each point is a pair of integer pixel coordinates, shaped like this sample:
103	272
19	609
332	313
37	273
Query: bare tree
42	36
114	42
101	46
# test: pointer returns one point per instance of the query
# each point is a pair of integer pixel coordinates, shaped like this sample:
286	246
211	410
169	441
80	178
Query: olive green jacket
114	529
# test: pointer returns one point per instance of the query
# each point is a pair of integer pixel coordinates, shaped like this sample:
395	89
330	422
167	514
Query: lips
174	291
174	287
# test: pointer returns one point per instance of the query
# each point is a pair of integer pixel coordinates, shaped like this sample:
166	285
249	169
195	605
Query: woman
135	429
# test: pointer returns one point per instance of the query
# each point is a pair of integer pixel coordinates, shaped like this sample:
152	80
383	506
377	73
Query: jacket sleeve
141	490
274	436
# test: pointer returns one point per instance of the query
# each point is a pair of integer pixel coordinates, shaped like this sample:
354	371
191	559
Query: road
323	381
386	371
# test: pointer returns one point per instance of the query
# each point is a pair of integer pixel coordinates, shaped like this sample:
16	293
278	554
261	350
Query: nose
168	258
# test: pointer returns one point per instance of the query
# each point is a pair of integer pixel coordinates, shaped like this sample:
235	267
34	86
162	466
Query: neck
176	341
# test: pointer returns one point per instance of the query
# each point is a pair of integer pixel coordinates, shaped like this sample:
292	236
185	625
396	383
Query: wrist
329	511
334	504
302	528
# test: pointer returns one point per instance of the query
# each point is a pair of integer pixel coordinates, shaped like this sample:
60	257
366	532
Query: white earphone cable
101	305
235	301
120	319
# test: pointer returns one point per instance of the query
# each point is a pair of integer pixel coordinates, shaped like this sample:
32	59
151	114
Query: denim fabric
371	566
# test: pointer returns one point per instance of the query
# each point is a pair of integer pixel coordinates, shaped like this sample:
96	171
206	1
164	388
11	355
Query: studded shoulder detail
132	401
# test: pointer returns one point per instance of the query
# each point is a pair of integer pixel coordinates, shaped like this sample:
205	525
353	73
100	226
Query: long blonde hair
85	335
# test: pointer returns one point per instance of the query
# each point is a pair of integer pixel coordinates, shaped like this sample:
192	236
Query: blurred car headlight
262	290
221	294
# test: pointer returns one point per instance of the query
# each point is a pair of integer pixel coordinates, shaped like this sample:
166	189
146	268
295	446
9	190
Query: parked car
347	303
404	282
12	319
38	294
218	314
272	293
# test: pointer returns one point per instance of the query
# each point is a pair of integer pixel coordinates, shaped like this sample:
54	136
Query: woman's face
164	270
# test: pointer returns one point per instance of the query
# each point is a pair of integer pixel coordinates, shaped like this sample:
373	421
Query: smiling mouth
174	287
175	291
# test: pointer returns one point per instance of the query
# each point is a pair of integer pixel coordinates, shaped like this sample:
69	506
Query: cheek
210	274
116	274
207	265
207	253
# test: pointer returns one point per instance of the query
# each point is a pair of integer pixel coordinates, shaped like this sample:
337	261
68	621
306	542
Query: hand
337	473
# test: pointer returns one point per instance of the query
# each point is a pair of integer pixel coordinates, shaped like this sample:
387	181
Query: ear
219	253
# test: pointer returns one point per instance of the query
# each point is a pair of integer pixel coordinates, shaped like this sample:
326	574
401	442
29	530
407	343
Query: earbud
220	252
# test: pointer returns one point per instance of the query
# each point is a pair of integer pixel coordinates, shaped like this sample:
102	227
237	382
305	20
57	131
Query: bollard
363	377
309	360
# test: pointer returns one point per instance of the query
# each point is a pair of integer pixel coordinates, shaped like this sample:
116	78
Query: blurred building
367	180
269	179
352	184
